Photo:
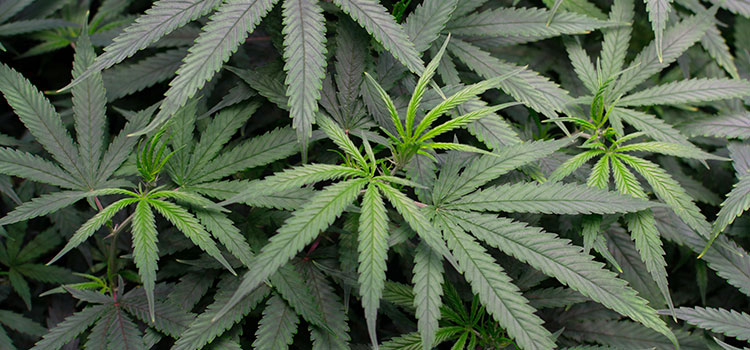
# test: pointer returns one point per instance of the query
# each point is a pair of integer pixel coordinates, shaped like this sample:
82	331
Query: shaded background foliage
701	41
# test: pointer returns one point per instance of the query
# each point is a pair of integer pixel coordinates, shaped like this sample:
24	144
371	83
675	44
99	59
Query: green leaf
427	21
650	125
413	341
549	198
528	86
71	327
629	335
616	39
298	231
40	117
373	252
713	42
26	165
93	224
217	133
558	258
161	19
332	311
573	163
419	90
221	37
733	125
259	150
495	289
530	22
224	230
340	138
668	190
658	14
295	177
632	268
599	177
582	65
290	286
372	16
89	110
676	40
169	318
123	333
737	202
672	149
127	79
688	91
489	167
388	103
304	54
415	218
21	324
728	322
554	297
428	288
277	326
145	251
21	287
120	147
203	330
190	227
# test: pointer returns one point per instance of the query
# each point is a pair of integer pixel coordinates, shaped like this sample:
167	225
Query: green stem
111	267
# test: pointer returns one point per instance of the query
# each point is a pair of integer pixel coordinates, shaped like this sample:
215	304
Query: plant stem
111	268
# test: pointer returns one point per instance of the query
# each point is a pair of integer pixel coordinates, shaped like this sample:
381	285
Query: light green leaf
658	14
222	228
145	251
734	125
22	164
737	202
373	252
616	39
599	177
573	163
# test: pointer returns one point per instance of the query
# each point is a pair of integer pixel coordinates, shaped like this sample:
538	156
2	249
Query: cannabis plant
367	174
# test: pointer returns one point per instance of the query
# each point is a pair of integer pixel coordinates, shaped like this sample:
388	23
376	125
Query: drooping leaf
277	327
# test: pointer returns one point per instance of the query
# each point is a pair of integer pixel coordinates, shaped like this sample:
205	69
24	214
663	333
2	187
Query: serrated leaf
728	322
277	326
224	230
672	149
169	318
145	251
495	289
734	125
676	40
658	14
22	164
617	39
737	202
161	19
190	227
41	119
298	231
304	53
428	288
688	91
558	258
488	167
373	252
127	79
599	177
71	327
203	331
427	21
372	16
290	286
332	311
226	30
89	110
668	190
532	22
549	198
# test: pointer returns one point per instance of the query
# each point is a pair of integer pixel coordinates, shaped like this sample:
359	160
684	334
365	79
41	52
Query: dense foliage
392	174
